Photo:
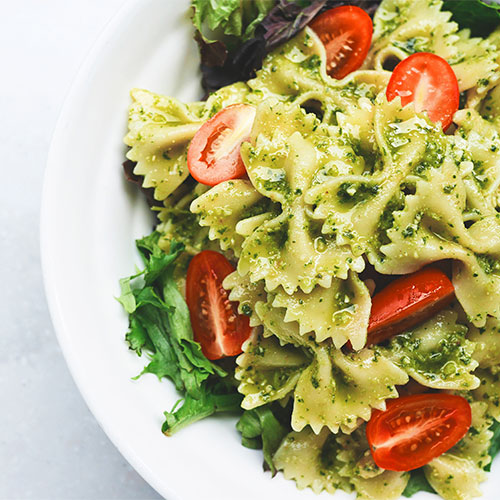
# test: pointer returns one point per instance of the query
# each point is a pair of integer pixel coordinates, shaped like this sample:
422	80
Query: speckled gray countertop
51	447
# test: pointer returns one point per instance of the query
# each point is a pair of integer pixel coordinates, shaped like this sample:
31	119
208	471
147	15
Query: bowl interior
90	219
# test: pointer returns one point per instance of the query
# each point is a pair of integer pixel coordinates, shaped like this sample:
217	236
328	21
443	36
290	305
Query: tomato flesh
413	430
214	152
408	301
217	325
430	83
346	33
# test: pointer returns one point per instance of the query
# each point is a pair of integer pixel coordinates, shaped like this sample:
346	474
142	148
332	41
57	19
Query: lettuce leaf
494	443
481	17
217	396
159	324
286	19
236	18
418	482
261	429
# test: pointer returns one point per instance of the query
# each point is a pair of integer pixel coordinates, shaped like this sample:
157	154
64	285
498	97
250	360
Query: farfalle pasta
345	188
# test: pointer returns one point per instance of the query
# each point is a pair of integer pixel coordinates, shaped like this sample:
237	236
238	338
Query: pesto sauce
433	157
488	263
446	361
183	226
412	45
386	220
356	192
264	205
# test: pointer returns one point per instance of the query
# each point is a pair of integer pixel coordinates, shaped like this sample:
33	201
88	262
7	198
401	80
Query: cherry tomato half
413	430
217	325
430	83
346	33
214	152
408	301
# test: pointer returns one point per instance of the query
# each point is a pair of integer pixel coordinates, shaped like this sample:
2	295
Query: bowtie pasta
341	181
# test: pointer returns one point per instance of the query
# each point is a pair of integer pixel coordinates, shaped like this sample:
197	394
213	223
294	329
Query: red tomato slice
217	325
346	33
408	301
430	83
214	152
413	430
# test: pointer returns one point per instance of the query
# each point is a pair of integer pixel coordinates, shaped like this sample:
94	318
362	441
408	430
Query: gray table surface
51	447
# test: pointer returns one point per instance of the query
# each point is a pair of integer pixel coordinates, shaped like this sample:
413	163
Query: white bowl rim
56	312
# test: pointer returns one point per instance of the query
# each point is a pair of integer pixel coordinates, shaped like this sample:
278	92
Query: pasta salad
326	258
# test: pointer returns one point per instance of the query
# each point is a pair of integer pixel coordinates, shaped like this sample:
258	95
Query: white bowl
90	219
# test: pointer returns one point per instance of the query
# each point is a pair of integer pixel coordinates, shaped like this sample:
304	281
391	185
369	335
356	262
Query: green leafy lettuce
494	443
233	18
159	324
217	396
260	428
418	482
481	17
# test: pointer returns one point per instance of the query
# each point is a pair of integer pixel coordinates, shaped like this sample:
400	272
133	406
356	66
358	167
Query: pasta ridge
333	389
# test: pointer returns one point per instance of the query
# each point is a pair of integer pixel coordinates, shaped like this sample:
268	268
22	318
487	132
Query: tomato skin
346	33
414	430
430	82
215	320
408	301
214	152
